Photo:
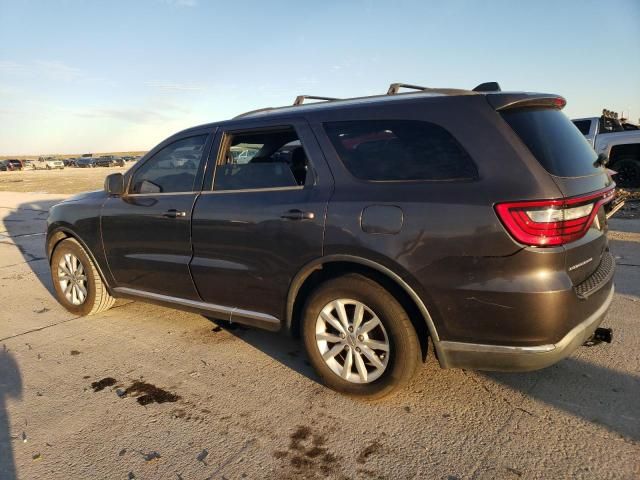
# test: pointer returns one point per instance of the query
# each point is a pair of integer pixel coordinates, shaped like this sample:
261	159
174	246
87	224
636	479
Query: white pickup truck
619	140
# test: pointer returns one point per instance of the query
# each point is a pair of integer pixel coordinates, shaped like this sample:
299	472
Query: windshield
554	141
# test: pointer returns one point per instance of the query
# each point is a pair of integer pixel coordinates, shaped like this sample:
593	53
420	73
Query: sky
82	76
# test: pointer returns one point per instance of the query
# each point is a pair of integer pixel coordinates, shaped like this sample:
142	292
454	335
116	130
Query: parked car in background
373	228
13	164
616	140
28	165
109	161
49	163
85	162
3	166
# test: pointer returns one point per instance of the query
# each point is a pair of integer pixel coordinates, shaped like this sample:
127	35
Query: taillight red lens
548	223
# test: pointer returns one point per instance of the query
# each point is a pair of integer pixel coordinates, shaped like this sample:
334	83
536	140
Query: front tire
76	280
359	339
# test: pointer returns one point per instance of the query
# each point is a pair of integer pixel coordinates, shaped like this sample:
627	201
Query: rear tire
350	355
79	289
628	169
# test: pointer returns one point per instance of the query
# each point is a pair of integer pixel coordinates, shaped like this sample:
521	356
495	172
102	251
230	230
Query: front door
147	231
262	220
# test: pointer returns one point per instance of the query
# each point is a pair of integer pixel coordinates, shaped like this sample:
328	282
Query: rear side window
400	150
583	125
554	141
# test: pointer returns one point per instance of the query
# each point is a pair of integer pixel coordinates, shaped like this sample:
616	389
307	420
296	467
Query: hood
86	195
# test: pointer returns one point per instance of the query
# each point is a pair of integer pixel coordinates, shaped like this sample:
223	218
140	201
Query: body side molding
231	314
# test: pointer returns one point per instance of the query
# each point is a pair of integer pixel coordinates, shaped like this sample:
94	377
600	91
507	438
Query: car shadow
10	387
282	348
593	393
22	239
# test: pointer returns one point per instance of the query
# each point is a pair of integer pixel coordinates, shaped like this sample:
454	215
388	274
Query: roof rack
394	88
301	98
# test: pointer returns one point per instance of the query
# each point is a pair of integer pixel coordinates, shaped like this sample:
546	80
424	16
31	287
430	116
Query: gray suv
470	219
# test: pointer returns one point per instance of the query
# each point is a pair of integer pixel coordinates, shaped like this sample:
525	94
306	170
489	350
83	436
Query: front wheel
359	338
76	280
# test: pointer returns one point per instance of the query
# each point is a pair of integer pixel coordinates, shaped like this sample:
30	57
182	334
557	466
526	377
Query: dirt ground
146	392
69	180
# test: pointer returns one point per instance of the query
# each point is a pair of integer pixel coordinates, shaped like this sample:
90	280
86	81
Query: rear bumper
521	358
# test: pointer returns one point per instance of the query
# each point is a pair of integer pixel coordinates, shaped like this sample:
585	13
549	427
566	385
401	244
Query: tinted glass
399	150
583	125
554	141
273	159
173	169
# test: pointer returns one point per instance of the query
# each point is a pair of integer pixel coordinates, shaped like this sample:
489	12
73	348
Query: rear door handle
173	213
298	215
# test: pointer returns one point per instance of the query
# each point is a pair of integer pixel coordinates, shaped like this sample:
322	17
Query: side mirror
114	184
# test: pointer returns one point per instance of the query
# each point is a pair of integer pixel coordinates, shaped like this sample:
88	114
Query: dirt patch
102	384
148	393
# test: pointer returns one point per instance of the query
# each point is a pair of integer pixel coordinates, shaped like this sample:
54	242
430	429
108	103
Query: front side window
257	160
399	150
173	169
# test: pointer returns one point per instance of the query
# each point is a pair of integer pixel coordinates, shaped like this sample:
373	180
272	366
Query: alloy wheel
352	341
72	279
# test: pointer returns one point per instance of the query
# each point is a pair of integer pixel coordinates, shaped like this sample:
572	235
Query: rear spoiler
507	101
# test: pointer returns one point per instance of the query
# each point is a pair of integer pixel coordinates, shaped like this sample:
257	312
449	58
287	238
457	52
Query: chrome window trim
247	190
160	194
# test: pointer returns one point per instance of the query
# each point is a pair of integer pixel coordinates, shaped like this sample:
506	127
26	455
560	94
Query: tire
97	299
403	353
628	169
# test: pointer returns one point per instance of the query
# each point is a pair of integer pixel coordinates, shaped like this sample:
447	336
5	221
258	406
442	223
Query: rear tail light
548	223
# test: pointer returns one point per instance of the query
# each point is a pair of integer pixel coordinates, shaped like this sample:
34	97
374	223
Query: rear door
571	161
263	217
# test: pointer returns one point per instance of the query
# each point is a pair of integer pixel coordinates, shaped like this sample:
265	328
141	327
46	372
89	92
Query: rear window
583	125
399	150
554	141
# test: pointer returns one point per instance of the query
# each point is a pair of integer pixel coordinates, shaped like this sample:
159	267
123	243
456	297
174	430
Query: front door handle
298	215
173	213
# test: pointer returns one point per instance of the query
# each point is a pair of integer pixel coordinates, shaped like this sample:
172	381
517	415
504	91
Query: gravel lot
245	404
69	180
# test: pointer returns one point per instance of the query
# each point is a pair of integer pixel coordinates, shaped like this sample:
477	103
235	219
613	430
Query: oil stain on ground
102	384
307	454
144	392
148	393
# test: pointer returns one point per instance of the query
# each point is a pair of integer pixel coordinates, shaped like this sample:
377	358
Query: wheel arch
58	234
331	266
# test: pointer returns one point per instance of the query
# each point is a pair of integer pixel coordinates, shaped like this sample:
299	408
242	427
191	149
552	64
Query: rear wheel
76	280
628	169
359	338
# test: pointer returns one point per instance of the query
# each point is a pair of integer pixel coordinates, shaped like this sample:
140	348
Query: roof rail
251	112
301	98
488	87
394	88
